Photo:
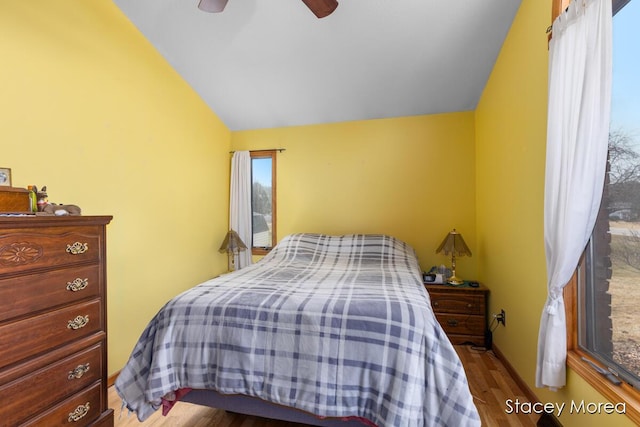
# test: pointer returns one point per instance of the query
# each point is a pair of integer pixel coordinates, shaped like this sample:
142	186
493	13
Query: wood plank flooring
489	381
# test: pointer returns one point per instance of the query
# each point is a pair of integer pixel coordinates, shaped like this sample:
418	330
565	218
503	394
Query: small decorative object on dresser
44	207
461	311
53	346
15	200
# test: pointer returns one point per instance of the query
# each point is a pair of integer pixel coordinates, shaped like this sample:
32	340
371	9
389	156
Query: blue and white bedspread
338	326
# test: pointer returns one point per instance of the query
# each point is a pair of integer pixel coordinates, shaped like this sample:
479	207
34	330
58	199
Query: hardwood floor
489	381
491	385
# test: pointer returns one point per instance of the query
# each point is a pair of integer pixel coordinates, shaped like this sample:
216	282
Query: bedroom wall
510	164
93	112
411	177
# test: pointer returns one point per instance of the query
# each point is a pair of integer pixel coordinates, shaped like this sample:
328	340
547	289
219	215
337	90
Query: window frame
263	154
622	393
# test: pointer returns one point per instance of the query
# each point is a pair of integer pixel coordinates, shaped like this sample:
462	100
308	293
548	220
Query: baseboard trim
514	374
112	379
546	420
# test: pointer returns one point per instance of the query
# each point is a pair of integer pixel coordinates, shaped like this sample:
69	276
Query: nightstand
462	312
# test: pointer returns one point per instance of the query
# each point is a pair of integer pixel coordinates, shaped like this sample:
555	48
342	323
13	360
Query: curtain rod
279	150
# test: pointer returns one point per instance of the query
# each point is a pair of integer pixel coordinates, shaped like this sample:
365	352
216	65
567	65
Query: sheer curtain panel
577	143
240	214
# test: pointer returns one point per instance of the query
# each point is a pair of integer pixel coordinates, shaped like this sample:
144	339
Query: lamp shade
232	243
454	244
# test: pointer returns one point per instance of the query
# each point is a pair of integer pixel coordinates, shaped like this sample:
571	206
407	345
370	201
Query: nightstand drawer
461	311
450	303
462	324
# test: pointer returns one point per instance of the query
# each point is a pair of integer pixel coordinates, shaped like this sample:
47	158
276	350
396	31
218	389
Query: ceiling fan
320	8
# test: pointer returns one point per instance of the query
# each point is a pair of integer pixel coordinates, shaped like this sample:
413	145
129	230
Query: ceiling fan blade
321	8
213	6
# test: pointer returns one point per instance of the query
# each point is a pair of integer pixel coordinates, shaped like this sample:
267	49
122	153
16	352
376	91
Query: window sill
260	251
622	393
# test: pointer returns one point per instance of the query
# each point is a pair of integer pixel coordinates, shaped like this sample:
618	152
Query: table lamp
454	244
232	245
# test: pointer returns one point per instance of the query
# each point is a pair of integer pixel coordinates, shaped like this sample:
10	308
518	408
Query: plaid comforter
339	326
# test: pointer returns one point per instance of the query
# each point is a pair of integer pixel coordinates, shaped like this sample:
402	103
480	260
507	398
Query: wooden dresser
53	347
462	312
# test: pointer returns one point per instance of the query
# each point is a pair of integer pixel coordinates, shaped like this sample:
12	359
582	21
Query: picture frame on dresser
5	177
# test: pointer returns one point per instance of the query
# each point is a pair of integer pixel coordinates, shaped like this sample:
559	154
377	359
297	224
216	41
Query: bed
337	329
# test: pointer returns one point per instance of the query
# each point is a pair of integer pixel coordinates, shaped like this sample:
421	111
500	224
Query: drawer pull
77	248
78	322
79	413
469	305
435	303
77	285
78	372
452	322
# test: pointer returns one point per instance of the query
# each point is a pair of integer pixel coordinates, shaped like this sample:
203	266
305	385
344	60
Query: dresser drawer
49	385
452	303
79	410
28	337
462	324
35	292
25	250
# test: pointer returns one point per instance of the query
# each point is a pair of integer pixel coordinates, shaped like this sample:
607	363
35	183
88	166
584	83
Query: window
603	320
263	200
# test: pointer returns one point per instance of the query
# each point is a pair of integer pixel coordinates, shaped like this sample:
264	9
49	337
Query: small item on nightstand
474	284
432	278
444	271
428	278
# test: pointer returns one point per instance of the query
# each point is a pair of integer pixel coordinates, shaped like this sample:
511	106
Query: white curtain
240	215
577	144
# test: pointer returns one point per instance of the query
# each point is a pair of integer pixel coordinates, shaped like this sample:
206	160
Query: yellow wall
510	163
411	177
90	109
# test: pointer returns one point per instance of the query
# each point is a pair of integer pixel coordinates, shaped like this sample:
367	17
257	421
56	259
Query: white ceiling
272	63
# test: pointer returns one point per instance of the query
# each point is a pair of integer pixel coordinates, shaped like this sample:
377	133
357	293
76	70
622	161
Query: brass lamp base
231	262
453	280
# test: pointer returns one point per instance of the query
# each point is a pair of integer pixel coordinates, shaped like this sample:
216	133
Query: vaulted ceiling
273	63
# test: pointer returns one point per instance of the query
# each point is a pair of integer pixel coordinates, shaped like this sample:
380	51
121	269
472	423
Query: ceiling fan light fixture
321	8
212	6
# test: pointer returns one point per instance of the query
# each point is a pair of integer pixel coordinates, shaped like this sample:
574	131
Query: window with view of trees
609	280
263	201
